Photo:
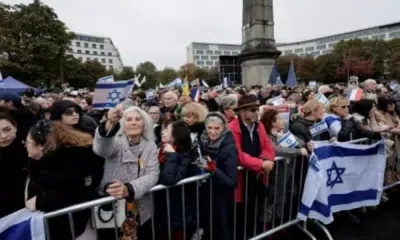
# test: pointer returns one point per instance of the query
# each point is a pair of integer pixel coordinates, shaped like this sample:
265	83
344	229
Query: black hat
60	107
40	131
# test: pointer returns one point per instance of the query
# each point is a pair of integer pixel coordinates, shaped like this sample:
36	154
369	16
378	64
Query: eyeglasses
253	110
153	113
70	112
347	106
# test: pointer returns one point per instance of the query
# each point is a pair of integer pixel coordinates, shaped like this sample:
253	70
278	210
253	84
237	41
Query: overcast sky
159	30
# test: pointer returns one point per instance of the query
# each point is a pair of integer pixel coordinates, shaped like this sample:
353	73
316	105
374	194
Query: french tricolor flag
195	94
355	94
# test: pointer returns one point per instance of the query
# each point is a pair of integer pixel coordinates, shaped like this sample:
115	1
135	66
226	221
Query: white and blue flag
334	123
150	93
340	177
109	95
278	100
106	79
288	140
322	99
319	128
175	83
23	224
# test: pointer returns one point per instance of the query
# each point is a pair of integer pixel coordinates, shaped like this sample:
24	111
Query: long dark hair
181	135
363	107
383	103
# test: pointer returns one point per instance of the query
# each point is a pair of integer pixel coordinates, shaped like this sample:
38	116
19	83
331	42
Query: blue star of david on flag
114	95
337	178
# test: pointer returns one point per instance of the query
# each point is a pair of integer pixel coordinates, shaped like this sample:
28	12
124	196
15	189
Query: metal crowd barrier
265	211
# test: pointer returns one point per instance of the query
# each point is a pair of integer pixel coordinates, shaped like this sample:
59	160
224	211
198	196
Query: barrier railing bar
277	229
304	229
324	229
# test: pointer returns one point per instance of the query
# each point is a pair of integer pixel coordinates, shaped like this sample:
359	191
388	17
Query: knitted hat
60	107
40	131
247	101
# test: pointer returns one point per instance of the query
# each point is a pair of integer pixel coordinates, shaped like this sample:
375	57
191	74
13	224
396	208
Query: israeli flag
340	177
176	83
334	123
319	128
276	101
288	140
150	93
322	99
106	79
109	95
24	225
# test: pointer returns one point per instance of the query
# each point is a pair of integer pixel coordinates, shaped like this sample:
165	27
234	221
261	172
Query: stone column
258	44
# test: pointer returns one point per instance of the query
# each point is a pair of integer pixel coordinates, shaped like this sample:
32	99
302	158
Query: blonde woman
337	109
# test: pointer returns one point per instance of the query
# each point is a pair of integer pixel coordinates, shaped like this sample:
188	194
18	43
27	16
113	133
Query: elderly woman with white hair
227	105
218	147
131	168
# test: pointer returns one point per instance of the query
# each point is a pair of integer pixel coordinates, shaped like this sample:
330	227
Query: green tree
166	75
213	77
148	70
126	74
34	42
325	68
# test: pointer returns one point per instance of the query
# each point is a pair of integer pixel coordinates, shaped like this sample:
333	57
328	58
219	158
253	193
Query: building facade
207	54
87	47
324	45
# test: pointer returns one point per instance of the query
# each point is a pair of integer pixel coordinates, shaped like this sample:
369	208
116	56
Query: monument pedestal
258	44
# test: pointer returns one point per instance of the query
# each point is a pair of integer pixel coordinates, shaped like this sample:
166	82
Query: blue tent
13	85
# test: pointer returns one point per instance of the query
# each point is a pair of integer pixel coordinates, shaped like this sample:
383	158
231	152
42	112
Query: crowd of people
56	151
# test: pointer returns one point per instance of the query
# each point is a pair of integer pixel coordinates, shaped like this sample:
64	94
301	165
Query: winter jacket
224	181
68	176
122	163
177	166
300	127
352	130
13	173
245	160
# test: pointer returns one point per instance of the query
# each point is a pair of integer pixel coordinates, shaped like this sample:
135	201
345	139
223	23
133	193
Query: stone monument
258	43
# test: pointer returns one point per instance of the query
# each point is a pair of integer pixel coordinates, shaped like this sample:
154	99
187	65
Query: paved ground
382	223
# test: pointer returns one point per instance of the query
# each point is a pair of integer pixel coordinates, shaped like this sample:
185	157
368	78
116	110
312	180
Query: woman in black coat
13	161
218	147
61	174
176	165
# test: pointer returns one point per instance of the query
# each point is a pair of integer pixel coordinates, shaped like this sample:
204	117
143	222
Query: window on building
111	68
209	63
87	59
310	49
78	44
214	57
94	45
326	51
320	47
96	59
197	57
110	61
103	60
79	51
299	50
288	52
382	36
94	52
87	52
209	52
199	52
101	46
86	45
235	53
302	54
200	63
218	53
331	45
109	54
102	53
80	59
227	53
216	63
374	37
204	57
316	53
